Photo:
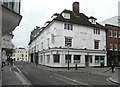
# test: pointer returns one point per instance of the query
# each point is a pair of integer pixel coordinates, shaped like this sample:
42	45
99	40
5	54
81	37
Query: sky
37	12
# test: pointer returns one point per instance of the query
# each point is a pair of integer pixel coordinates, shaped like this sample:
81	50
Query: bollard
76	66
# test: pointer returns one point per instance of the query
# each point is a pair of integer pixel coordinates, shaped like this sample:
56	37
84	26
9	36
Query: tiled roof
82	19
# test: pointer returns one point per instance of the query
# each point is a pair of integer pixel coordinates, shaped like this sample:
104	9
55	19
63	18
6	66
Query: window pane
76	58
110	32
56	58
68	41
115	33
96	59
96	44
111	46
115	46
119	34
66	58
102	59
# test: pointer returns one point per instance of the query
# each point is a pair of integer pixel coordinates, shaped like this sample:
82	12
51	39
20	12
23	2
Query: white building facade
84	43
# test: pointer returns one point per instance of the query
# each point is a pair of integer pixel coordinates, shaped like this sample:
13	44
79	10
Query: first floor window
110	33
67	58
76	58
119	34
68	41
115	33
96	44
56	58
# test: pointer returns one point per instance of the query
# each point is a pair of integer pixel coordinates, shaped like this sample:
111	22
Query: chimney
76	8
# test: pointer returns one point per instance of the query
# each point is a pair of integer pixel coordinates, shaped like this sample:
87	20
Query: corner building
70	38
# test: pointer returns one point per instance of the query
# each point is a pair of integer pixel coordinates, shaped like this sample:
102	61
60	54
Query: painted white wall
83	37
7	42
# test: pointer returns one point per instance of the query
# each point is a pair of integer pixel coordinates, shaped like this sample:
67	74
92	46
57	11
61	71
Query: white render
7	42
82	37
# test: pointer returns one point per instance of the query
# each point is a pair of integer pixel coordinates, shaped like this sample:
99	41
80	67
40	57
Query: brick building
113	43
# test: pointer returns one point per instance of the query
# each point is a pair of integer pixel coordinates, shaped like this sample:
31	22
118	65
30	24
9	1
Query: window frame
68	41
115	33
110	33
96	47
66	58
58	58
68	26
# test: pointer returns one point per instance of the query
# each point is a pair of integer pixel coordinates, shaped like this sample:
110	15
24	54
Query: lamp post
68	55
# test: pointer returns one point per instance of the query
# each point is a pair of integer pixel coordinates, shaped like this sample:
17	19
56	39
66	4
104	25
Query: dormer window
92	20
66	15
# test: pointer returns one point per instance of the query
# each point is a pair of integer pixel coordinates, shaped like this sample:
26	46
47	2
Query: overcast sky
37	12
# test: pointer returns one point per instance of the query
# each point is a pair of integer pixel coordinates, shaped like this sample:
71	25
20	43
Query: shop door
86	61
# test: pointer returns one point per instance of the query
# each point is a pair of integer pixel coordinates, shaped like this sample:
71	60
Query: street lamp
68	55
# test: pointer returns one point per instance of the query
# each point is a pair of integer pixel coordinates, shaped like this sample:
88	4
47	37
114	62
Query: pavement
12	76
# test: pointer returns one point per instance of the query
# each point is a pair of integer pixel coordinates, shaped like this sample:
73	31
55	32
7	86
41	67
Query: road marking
65	81
17	68
108	79
71	79
21	77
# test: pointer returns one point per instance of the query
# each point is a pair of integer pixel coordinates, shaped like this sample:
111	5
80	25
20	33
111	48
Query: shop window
48	58
56	58
99	59
111	46
102	59
96	59
90	57
66	58
116	46
77	58
119	47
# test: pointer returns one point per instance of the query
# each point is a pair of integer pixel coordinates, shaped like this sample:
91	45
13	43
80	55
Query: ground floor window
99	59
48	58
66	58
77	58
56	58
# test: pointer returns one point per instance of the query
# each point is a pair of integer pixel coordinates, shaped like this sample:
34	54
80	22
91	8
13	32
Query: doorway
31	57
86	60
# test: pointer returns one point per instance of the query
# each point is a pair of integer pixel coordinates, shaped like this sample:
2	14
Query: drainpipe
0	42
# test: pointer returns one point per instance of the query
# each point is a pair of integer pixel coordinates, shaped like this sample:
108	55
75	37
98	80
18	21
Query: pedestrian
8	61
36	62
11	61
112	66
